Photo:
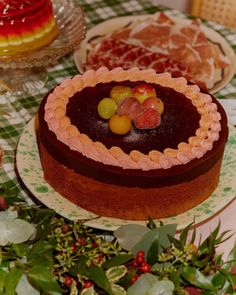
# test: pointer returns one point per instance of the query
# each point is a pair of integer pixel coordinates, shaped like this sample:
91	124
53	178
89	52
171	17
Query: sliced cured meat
185	44
112	52
163	44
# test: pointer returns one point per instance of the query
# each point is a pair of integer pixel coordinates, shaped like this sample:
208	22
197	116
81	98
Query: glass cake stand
26	73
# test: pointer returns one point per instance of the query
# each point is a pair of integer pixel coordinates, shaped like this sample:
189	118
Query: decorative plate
30	170
221	77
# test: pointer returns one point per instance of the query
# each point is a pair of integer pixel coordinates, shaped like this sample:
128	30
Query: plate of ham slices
180	46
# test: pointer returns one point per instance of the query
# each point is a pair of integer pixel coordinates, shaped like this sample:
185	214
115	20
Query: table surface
21	110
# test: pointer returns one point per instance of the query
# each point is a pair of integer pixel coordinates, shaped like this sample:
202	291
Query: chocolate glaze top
179	120
134	177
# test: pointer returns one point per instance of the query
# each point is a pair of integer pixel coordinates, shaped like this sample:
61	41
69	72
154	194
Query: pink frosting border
196	147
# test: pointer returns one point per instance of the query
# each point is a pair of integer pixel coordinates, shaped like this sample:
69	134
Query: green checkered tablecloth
24	108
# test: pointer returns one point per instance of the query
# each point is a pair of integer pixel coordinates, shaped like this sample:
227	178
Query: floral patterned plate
30	170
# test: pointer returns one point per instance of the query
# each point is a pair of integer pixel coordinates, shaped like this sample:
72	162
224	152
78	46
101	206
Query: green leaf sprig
67	257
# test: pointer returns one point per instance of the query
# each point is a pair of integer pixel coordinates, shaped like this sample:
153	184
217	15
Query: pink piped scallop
73	131
165	162
105	156
75	144
201	133
146	164
206	97
53	124
198	152
212	135
77	83
184	147
203	110
198	103
49	114
215	126
90	152
117	74
103	75
206	144
155	156
59	112
136	155
170	152
216	116
123	159
85	139
180	84
89	78
51	97
65	122
62	135
66	83
194	140
213	107
184	157
49	105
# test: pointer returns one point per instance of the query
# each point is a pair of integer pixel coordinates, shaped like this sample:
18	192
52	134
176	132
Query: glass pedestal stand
24	82
25	74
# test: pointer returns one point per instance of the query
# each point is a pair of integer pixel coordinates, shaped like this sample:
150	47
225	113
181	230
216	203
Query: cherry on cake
164	158
26	25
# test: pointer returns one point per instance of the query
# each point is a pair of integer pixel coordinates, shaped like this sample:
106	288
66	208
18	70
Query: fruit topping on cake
139	105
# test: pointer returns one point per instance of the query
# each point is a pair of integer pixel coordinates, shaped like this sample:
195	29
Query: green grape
106	108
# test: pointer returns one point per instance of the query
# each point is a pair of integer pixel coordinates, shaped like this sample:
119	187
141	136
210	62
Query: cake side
133	193
123	201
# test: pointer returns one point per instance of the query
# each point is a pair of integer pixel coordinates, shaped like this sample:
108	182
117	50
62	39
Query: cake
156	172
26	25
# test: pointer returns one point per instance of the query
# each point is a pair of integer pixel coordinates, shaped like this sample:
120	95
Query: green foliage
67	257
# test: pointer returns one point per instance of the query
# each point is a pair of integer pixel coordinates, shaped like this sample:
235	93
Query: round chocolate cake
153	172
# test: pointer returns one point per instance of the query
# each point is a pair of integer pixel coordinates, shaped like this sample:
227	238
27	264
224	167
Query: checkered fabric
15	113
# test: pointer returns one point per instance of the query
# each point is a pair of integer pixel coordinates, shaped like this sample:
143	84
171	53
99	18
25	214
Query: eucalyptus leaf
149	284
15	231
8	214
129	235
160	234
116	273
25	288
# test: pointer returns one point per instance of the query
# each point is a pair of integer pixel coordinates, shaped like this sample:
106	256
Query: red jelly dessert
26	25
158	171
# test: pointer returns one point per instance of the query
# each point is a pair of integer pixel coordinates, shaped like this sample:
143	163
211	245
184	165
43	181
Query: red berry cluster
140	265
